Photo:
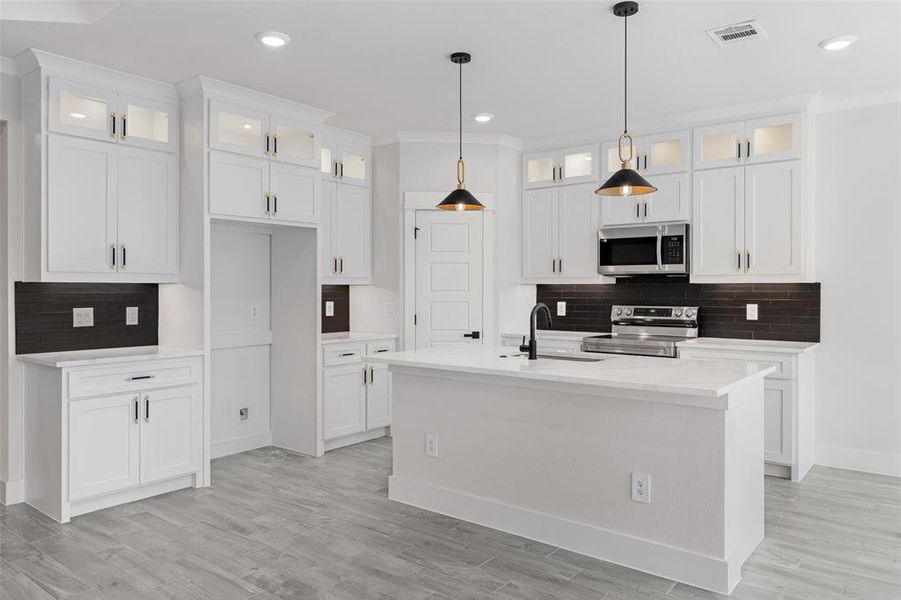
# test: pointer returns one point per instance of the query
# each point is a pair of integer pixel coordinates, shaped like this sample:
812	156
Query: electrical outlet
751	312
641	487
254	312
83	317
431	445
131	315
329	308
242	412
561	309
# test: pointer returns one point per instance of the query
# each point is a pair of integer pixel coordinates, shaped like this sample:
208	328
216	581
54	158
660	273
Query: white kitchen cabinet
239	129
345	234
747	221
670	203
777	422
171	433
560	232
344	400
759	140
294	191
345	162
655	154
294	141
148	123
378	397
555	167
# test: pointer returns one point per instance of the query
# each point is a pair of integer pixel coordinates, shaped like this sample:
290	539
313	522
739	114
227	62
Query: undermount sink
559	357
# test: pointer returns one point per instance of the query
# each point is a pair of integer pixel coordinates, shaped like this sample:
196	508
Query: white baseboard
235	445
12	492
688	567
355	438
881	463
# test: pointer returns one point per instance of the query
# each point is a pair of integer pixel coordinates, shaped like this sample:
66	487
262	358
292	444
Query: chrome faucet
532	346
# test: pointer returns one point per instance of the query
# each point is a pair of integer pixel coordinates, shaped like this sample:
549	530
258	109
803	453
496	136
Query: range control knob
628	312
689	313
677	312
619	311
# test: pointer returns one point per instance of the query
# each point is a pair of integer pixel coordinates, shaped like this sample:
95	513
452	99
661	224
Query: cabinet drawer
785	364
125	377
380	346
342	354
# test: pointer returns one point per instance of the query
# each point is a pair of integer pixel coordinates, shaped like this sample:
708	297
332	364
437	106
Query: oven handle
659	250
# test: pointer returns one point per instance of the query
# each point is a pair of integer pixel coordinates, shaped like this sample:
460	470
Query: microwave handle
659	250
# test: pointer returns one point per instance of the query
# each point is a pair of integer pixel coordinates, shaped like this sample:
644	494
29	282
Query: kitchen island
548	449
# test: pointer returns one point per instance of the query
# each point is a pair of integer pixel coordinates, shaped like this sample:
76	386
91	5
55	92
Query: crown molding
449	137
224	89
838	104
337	135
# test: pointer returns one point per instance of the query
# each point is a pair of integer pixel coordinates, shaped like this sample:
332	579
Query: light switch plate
751	312
131	315
641	488
329	308
561	309
431	445
254	312
83	317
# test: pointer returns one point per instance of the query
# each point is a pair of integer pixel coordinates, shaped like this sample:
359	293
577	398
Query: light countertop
79	358
714	343
355	336
554	334
707	378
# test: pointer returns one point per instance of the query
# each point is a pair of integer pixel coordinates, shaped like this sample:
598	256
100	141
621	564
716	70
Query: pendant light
625	182
460	199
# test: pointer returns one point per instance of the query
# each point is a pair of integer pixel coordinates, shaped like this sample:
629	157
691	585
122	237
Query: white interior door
170	433
448	278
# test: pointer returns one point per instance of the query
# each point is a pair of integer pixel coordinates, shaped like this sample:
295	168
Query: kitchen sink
558	357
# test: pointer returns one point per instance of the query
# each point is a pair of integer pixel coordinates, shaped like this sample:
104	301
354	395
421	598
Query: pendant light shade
460	198
625	182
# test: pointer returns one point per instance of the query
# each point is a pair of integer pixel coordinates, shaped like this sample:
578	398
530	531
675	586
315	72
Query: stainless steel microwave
644	250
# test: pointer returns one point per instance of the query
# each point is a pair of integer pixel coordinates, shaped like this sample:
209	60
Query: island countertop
696	377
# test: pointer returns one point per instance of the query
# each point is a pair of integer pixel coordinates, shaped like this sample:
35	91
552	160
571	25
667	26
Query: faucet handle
524	347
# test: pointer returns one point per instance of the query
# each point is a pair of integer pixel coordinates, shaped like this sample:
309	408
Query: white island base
547	450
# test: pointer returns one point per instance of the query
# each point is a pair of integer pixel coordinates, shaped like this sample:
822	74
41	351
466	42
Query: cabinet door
83	110
294	192
774	138
719	145
238	129
773	219
670	201
578	231
718	222
610	159
294	141
621	210
81	205
540	215
148	123
663	153
328	156
238	185
539	169
147	212
352	232
328	257
103	445
378	397
579	165
353	165
343	400
777	418
171	433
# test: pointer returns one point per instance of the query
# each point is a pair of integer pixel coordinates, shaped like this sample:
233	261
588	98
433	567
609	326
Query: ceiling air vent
738	33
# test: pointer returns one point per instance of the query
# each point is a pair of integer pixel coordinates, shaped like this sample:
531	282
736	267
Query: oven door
643	250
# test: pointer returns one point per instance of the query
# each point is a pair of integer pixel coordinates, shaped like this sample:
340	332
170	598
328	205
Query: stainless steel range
645	330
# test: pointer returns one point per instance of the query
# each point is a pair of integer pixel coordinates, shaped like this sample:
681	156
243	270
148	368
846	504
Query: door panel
294	141
354	165
539	169
773	218
378	397
774	138
147	211
352	232
778	420
148	123
664	152
579	207
343	400
718	222
579	164
238	185
448	277
621	210
540	213
80	109
294	190
328	265
171	430
670	201
81	205
238	129
103	445
719	145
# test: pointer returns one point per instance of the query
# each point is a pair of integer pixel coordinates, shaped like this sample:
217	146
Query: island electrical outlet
641	487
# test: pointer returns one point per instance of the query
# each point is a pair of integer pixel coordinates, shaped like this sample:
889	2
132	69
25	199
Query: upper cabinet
670	203
651	155
345	163
555	167
745	142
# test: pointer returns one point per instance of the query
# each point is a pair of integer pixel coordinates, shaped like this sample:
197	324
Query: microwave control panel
673	249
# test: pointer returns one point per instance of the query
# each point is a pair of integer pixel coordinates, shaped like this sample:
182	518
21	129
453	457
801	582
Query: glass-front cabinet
239	129
554	167
754	141
148	123
345	162
651	154
293	141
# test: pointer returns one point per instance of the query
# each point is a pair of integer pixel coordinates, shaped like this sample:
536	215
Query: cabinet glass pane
665	153
773	139
148	123
239	130
353	166
614	164
295	142
82	110
326	159
540	169
719	146
577	164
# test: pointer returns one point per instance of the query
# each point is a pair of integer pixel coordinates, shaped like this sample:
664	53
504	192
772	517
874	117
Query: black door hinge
414	318
415	232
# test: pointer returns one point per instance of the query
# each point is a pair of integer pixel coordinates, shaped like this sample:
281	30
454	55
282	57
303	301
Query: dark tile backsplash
44	316
340	295
786	311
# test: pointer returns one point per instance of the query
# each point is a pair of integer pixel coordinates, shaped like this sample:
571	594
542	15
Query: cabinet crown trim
242	95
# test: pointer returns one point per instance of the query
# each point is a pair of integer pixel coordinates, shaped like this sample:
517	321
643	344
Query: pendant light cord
626	75
461	110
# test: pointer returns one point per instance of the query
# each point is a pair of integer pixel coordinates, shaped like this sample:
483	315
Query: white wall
858	259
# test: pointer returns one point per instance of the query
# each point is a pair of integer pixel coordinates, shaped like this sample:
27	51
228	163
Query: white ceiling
544	68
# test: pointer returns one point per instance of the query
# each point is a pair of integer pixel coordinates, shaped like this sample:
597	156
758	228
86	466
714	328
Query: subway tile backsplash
340	295
787	311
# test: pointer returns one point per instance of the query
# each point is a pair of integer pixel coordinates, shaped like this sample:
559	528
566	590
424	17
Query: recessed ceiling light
840	42
247	126
78	115
483	117
273	39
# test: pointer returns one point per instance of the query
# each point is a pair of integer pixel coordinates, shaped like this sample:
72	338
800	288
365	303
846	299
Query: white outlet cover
431	445
641	487
751	312
329	308
561	309
254	312
83	317
131	315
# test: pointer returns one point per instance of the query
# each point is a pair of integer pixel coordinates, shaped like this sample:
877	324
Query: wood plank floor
275	525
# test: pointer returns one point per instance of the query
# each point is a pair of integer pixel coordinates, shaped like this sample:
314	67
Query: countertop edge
57	360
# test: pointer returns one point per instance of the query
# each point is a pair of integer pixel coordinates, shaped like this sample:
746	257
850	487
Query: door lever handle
474	335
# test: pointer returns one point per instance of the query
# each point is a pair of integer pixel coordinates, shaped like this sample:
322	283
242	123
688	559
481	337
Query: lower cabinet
344	400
